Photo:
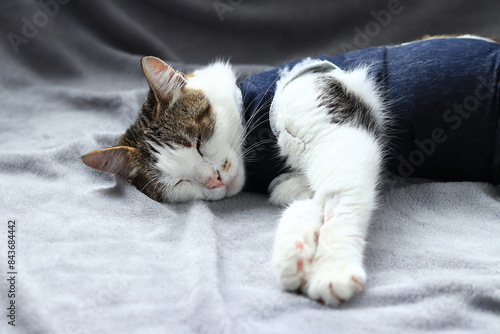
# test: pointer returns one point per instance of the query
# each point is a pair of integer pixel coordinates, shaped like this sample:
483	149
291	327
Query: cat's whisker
260	122
262	96
254	146
256	114
147	184
261	107
261	142
251	124
240	135
247	129
247	124
257	125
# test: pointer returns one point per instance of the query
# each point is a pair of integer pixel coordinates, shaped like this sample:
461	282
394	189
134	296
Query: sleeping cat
316	133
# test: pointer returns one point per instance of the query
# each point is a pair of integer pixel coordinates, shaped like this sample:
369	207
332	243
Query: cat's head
187	141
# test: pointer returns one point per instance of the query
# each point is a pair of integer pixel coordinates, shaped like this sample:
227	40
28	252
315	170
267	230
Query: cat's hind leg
289	187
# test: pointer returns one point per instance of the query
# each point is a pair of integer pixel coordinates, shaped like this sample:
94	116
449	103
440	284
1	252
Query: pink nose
214	181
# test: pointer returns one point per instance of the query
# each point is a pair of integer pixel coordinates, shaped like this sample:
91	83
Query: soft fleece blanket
94	255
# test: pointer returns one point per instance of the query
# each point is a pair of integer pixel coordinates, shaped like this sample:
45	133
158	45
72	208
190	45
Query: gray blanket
94	255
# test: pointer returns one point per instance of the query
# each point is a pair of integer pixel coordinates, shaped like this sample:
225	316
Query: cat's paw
333	282
296	242
289	187
293	257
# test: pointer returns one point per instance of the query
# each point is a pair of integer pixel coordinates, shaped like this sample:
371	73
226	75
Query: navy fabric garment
444	102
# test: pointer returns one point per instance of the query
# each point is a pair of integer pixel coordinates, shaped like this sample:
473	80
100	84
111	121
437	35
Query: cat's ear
165	82
117	160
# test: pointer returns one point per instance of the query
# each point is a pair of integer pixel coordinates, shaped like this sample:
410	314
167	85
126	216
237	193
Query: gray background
94	255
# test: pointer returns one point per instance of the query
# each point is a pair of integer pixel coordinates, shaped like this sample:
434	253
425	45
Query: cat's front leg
337	272
344	181
344	178
319	247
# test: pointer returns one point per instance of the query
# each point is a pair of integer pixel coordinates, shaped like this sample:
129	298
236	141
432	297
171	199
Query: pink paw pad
299	245
300	265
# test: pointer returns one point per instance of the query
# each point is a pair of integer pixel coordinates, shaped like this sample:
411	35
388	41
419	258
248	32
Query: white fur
341	165
187	165
289	187
218	82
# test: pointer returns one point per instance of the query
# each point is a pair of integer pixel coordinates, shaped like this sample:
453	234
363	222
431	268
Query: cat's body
327	125
442	103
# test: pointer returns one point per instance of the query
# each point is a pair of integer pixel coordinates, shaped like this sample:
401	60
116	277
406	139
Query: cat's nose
214	181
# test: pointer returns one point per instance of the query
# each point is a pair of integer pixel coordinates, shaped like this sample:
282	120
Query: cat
187	142
317	133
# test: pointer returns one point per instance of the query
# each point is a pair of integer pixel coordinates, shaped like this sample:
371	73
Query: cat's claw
333	283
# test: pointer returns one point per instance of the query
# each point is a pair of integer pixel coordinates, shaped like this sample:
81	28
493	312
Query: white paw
292	259
289	187
296	242
333	282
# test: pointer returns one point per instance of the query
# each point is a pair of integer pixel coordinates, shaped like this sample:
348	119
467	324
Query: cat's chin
236	184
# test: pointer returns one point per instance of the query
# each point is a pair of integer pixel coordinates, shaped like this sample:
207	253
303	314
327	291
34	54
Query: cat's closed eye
198	145
178	182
